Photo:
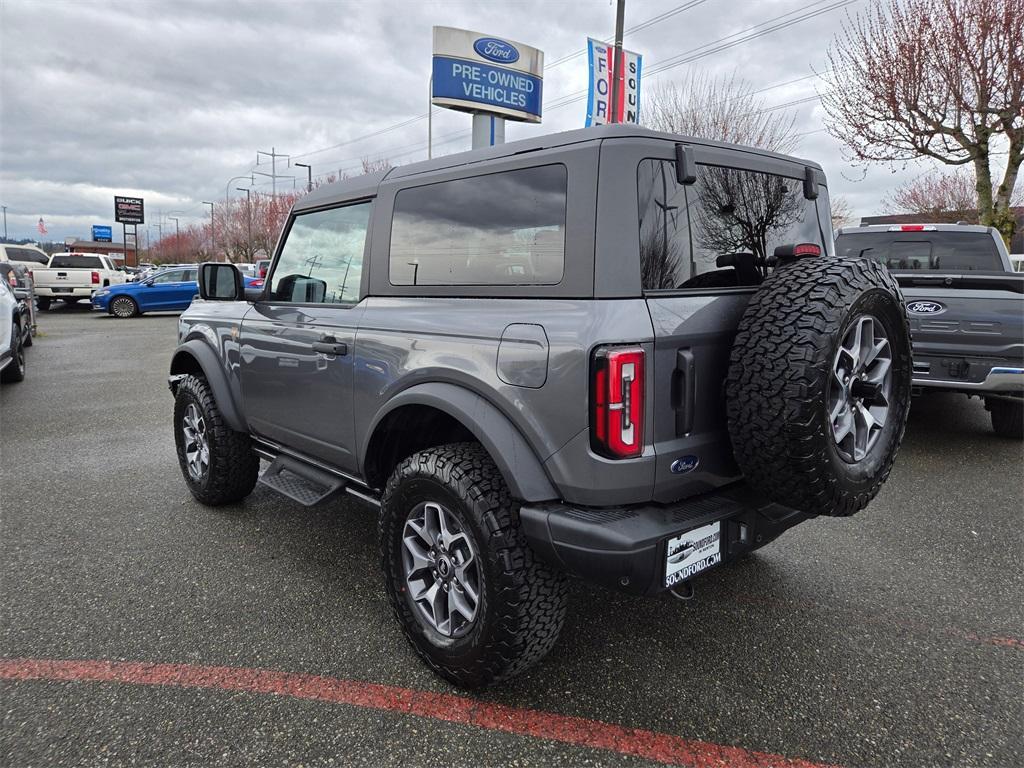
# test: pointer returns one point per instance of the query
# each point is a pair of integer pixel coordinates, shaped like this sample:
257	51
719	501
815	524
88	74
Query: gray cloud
168	100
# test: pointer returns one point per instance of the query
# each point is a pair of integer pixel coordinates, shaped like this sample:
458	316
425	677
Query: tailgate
57	278
963	325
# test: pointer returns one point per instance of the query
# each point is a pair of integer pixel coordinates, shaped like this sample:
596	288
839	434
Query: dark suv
613	353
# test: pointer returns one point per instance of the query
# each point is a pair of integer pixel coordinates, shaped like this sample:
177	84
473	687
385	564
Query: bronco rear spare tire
818	387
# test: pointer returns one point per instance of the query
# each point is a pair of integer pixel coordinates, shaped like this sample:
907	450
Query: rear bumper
60	293
999	378
625	548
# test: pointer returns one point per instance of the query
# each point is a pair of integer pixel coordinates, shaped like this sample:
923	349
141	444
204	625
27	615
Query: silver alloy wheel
197	446
123	307
860	388
442	569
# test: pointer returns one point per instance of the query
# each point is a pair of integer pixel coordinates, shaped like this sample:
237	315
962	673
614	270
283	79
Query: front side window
504	228
172	276
720	232
321	261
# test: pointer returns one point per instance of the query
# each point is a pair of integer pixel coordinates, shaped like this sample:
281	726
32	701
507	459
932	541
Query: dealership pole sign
129	210
601	56
478	73
102	234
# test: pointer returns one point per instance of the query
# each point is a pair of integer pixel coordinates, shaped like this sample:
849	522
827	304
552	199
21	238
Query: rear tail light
12	279
807	249
617	402
263	271
95	278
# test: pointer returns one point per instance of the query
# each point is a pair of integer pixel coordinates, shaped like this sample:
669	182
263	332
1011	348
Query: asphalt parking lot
894	638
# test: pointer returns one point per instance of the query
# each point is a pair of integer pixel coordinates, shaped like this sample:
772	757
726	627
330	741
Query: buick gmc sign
473	72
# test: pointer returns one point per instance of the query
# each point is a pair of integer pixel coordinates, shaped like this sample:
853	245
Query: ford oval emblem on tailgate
684	464
924	307
496	50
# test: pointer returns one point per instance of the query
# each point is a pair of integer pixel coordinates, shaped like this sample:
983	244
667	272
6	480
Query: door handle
328	345
684	391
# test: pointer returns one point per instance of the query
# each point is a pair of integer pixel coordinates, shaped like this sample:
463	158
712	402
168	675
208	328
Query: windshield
950	251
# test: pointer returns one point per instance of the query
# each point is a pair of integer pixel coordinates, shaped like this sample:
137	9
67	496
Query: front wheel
218	464
471	597
124	306
15	370
1007	416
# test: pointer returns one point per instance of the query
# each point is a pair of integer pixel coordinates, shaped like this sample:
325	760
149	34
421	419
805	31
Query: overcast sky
169	100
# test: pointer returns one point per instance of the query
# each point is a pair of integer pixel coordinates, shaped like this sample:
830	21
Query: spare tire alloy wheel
442	570
860	388
123	306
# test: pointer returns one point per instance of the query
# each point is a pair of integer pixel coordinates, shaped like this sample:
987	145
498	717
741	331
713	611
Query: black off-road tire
777	386
523	601
15	370
43	303
1007	417
233	466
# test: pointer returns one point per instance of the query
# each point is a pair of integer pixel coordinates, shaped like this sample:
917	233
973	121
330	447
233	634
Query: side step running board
301	482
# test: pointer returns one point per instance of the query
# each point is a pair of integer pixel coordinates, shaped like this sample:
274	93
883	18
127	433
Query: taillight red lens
95	278
617	410
807	249
12	279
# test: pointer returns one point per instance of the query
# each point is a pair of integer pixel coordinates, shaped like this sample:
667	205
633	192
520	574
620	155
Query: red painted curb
578	731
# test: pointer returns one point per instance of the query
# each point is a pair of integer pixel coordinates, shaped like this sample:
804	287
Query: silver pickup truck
966	309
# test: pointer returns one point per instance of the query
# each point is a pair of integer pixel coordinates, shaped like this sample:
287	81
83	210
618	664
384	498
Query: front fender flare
213	371
518	464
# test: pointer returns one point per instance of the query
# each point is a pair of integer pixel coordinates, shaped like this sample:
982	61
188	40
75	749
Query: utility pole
213	242
620	19
309	175
5	221
273	154
177	232
248	207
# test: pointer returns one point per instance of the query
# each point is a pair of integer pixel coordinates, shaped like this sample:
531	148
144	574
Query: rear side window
720	231
503	228
27	254
959	251
321	261
77	262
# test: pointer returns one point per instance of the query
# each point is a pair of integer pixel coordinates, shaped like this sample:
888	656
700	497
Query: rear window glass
721	231
504	228
77	262
959	251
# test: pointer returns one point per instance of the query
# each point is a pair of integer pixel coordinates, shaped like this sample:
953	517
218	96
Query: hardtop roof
366	186
936	227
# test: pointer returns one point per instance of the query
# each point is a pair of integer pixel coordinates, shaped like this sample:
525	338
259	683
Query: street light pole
213	242
177	232
309	175
248	208
620	18
5	221
227	188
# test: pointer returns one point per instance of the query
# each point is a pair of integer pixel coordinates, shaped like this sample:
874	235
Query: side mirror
219	281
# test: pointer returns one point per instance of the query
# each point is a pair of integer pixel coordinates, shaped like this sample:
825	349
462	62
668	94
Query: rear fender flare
516	460
195	353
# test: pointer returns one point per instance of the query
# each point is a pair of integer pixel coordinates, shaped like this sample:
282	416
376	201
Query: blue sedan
169	290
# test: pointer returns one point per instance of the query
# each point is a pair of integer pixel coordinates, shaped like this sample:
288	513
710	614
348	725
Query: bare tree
723	108
842	212
947	197
934	78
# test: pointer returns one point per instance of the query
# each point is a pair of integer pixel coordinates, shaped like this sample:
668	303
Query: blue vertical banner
599	94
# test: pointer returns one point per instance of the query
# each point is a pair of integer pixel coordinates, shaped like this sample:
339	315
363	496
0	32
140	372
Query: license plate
692	552
63	290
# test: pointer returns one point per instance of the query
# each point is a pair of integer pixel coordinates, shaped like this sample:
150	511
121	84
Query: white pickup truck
74	276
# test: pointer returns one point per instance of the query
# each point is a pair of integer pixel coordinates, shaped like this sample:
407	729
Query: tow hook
683	592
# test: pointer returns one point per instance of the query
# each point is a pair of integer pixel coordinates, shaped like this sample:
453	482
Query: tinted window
191	275
322	259
720	231
74	261
27	254
923	250
171	276
500	229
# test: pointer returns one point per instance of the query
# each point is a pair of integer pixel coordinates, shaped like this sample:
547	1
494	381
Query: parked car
74	276
634	383
14	330
167	290
249	270
30	256
261	266
19	277
966	308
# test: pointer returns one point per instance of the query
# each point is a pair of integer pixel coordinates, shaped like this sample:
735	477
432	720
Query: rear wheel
818	387
471	597
1007	416
15	370
124	306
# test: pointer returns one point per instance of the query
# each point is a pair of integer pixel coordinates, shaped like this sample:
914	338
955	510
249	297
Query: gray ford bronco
612	353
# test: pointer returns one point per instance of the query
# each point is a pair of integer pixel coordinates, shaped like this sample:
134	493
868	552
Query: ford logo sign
493	49
924	307
684	464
